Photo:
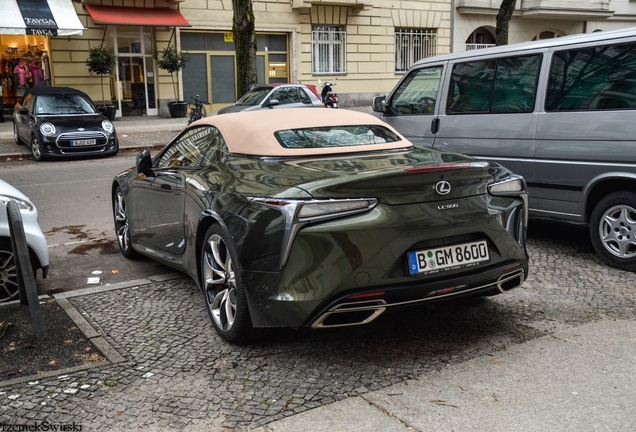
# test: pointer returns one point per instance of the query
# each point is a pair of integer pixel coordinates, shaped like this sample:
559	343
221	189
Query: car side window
192	149
285	95
417	94
28	102
505	85
304	96
594	78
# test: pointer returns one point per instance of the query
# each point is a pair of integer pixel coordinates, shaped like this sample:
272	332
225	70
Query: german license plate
84	142
448	257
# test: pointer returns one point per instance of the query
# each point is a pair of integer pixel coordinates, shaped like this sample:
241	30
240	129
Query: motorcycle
329	99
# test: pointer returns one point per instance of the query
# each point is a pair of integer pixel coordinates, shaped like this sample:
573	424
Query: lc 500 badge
448	257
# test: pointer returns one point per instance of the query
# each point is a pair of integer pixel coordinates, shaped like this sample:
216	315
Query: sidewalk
579	379
123	125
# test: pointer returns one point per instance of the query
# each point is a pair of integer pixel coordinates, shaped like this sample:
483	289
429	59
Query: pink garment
20	72
36	73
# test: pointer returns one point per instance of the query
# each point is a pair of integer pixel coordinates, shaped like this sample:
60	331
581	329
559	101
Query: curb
112	355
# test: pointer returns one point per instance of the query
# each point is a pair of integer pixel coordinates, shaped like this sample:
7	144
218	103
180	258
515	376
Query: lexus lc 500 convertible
320	218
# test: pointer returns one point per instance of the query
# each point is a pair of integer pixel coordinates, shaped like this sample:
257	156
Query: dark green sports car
320	218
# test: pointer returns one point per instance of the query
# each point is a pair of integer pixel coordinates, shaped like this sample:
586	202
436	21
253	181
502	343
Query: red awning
117	15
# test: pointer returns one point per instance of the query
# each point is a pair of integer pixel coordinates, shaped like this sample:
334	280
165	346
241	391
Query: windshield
63	104
253	97
335	136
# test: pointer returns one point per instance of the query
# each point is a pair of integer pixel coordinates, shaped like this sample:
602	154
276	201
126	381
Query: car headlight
108	126
25	206
47	129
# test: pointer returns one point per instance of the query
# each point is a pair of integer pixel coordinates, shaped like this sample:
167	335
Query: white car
38	249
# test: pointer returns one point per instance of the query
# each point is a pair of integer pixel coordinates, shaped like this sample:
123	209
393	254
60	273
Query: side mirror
272	102
144	163
102	109
379	104
23	111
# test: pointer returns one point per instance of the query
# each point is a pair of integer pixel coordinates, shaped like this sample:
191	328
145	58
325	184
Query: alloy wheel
617	230
8	276
121	222
219	282
36	150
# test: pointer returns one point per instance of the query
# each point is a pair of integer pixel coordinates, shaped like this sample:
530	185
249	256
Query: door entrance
135	75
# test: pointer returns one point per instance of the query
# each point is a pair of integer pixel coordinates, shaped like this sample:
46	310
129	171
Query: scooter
329	99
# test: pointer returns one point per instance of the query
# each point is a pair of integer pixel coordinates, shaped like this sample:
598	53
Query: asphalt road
75	214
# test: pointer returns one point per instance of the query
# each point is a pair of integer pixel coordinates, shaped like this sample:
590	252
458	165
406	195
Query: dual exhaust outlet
363	312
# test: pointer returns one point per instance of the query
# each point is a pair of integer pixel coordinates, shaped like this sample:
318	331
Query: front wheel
8	272
122	225
16	135
223	288
613	229
36	149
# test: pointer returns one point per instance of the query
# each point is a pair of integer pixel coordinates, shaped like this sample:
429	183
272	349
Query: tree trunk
244	44
503	21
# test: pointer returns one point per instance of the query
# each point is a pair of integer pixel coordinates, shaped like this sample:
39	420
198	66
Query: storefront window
24	63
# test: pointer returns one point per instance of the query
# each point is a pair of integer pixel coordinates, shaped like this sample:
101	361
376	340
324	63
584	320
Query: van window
494	86
595	78
417	94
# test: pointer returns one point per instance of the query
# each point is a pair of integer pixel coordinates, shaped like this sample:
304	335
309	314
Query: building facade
474	23
364	46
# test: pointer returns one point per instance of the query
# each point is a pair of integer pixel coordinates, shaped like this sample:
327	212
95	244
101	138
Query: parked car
60	122
276	96
560	112
320	218
38	249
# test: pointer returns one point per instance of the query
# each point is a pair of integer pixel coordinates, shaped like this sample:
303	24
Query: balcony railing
474	46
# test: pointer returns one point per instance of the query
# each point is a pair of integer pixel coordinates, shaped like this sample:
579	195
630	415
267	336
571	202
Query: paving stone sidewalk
176	373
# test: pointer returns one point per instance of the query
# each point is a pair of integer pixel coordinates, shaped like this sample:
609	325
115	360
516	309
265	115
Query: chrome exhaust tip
350	314
511	280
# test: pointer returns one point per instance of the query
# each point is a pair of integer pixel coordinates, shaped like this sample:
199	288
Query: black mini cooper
61	121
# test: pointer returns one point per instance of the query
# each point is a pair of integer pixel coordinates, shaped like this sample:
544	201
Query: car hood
76	121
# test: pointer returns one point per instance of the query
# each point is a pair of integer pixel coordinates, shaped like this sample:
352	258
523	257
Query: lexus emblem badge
442	187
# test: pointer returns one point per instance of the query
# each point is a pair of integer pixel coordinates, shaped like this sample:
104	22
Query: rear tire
613	230
223	289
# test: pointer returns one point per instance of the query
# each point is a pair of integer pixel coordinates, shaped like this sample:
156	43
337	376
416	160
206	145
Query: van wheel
613	229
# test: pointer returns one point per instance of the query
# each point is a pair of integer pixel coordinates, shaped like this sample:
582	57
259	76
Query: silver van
560	112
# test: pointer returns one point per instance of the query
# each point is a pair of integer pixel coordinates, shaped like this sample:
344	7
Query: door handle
435	126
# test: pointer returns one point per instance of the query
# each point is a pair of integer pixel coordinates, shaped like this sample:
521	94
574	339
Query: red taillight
366	295
510	267
436	167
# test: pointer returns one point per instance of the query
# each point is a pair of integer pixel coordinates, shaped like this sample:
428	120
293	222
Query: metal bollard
26	280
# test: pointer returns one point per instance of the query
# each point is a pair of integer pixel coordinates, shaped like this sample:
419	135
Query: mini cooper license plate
85	142
448	257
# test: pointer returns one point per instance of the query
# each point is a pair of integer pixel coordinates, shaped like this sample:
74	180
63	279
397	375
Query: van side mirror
144	163
379	104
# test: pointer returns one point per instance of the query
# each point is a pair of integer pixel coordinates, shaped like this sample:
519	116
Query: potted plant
173	61
102	61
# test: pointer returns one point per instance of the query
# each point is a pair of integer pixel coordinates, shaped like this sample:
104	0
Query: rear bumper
364	254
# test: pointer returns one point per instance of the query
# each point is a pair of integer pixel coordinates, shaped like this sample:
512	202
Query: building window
412	45
328	49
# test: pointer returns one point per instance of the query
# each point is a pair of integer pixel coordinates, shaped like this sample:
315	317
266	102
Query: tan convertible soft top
252	133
